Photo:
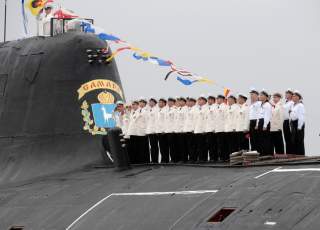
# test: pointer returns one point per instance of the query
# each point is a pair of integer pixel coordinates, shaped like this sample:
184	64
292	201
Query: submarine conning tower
41	121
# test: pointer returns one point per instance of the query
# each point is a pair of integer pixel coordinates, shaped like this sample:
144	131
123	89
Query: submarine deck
166	197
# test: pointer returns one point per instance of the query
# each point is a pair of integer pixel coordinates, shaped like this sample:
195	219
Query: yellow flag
35	6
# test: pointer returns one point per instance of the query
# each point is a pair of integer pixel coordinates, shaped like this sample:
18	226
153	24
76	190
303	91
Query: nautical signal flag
35	6
226	92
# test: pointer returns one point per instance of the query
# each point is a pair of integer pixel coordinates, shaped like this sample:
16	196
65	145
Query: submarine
55	172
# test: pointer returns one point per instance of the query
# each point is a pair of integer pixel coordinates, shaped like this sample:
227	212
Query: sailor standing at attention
286	124
220	128
201	153
153	112
277	124
179	124
297	122
188	129
231	125
170	125
264	124
243	123
254	112
46	19
144	153
210	129
160	130
133	132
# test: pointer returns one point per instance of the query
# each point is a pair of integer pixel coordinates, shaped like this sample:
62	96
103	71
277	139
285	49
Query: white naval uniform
297	122
277	117
200	119
180	117
276	128
139	148
243	118
230	128
160	130
265	143
152	114
170	132
201	152
242	127
188	126
220	131
211	114
298	114
221	118
254	113
286	126
266	114
231	118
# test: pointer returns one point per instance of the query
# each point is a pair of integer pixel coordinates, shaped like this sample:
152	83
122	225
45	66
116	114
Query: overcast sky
270	44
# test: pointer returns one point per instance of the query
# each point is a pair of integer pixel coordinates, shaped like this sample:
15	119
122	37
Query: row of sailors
184	130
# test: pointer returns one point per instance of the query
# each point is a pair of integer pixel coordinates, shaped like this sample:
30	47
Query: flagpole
5	21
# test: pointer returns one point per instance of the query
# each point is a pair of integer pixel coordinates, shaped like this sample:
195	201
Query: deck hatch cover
221	215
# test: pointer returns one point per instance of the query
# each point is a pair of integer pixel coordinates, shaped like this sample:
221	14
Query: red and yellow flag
35	6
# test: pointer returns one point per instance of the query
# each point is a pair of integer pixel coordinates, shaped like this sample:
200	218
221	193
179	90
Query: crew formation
211	128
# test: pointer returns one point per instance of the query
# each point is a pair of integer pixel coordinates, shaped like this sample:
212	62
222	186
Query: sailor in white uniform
188	128
153	112
231	125
210	128
286	123
254	113
220	128
243	122
277	124
180	134
143	121
297	122
160	130
170	128
46	19
264	137
201	153
134	134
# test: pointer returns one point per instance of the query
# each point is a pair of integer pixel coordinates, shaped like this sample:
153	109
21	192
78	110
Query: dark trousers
232	143
253	135
164	147
154	147
172	146
264	139
287	136
277	142
181	147
134	149
222	149
201	150
191	146
243	141
297	138
212	146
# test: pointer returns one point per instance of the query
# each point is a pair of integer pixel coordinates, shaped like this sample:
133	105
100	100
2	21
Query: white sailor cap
232	96
119	102
202	96
264	92
297	93
290	91
142	99
210	96
49	5
254	90
242	95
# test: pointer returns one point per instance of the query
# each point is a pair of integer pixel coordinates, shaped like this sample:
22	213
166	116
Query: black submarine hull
41	125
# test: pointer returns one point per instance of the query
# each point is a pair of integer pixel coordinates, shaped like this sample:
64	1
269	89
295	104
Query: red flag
64	13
